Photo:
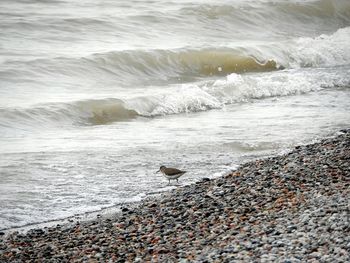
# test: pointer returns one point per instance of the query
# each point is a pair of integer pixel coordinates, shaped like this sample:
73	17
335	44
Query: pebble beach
290	208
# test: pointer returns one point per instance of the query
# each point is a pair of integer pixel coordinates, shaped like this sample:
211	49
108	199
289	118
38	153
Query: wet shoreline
293	207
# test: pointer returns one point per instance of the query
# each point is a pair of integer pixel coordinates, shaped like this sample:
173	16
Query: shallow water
94	97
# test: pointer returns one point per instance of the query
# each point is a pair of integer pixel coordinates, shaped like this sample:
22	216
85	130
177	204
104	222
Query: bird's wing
173	171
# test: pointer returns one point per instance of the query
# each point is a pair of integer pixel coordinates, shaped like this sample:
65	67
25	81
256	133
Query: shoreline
115	210
292	206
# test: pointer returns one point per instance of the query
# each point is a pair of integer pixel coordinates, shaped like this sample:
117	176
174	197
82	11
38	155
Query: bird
171	173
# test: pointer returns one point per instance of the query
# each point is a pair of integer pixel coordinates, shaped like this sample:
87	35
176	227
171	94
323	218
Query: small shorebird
171	173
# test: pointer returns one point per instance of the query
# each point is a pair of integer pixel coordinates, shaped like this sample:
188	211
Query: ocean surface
96	95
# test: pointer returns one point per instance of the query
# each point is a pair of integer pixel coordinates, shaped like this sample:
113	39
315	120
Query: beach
293	207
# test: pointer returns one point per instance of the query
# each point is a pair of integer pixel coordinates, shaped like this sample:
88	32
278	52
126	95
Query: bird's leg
177	180
169	182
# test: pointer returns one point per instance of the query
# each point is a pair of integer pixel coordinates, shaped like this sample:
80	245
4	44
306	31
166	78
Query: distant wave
274	10
241	15
185	98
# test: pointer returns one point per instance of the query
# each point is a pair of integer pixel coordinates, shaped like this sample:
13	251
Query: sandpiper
171	173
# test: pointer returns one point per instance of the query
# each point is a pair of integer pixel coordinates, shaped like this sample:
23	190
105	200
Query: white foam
239	88
183	99
324	50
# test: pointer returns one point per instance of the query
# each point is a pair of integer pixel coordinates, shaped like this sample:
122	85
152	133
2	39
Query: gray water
95	96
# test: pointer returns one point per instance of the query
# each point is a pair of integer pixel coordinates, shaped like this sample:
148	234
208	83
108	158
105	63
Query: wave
155	63
87	112
310	8
151	66
269	20
185	98
243	15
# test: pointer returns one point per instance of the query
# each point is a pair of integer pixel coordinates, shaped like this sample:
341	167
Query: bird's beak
158	171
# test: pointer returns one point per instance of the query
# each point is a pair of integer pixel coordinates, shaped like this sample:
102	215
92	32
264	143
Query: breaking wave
185	98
